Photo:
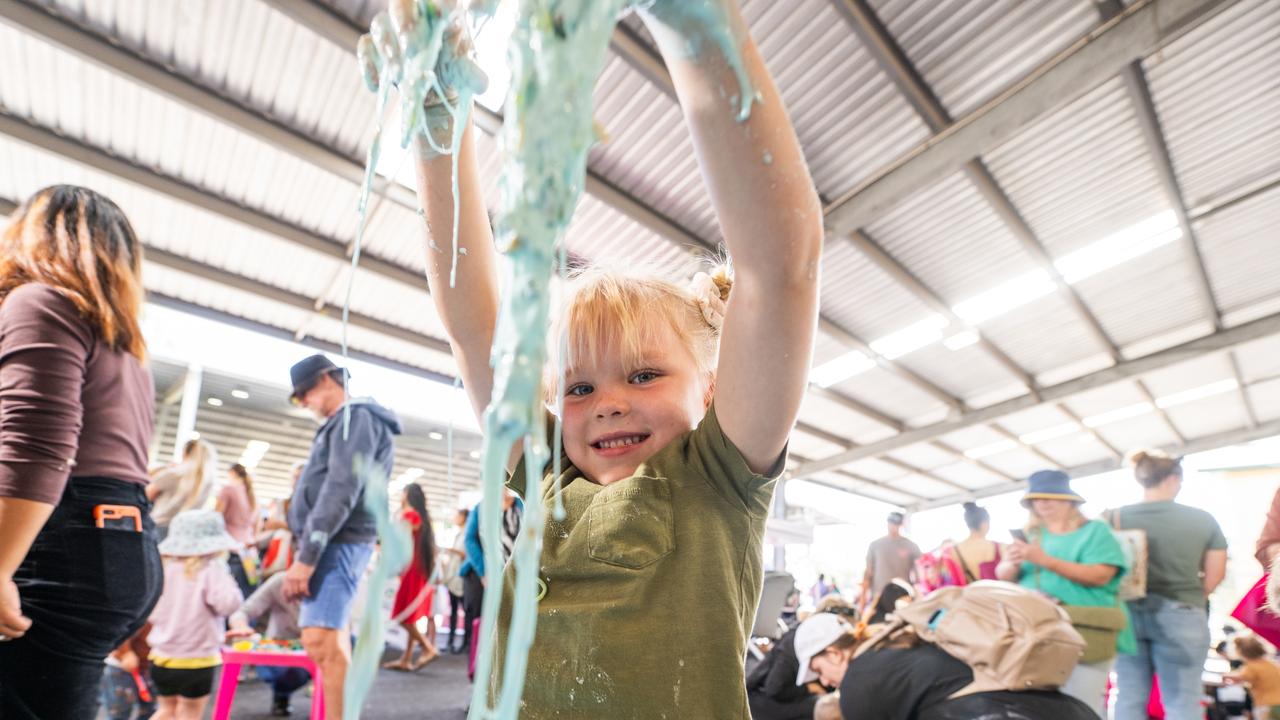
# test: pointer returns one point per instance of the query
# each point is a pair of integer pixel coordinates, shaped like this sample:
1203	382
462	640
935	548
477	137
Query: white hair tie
706	295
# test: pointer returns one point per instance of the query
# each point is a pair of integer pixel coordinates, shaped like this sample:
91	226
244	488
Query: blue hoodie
328	502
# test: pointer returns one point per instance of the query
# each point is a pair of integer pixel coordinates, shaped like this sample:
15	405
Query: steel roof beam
1201	444
287	334
1127	370
1142	28
274	294
859	478
887	459
1139	92
67	35
178	189
895	63
632	48
636	52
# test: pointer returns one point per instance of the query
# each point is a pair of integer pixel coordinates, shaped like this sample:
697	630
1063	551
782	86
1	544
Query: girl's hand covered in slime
424	50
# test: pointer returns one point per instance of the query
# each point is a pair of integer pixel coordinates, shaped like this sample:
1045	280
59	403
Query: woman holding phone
79	570
1077	562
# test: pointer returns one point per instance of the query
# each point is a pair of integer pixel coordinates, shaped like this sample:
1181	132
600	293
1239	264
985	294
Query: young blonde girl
678	401
187	624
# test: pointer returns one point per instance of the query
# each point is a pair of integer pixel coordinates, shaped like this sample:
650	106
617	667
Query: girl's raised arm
468	309
768	211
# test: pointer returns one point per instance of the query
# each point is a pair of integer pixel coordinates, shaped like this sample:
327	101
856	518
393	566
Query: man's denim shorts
334	584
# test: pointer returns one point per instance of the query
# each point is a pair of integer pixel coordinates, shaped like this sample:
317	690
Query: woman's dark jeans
86	590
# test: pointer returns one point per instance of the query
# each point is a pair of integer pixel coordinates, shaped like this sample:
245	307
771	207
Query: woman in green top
1186	559
1078	562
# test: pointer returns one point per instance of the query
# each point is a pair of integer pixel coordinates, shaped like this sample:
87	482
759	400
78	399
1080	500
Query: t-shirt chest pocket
630	524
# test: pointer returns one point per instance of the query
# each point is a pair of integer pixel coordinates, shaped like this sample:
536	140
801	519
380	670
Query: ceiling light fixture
961	340
1004	297
911	338
840	369
216	402
994	448
1197	393
1127	244
1124	413
1057	431
253	453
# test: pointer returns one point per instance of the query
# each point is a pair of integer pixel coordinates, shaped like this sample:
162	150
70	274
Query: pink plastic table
233	659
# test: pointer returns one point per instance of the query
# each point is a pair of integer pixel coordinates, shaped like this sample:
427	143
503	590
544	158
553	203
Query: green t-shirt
652	586
1177	539
1090	544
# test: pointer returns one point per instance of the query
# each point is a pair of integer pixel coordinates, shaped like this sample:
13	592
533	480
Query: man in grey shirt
890	557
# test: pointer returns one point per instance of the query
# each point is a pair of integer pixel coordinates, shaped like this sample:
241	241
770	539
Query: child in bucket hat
187	623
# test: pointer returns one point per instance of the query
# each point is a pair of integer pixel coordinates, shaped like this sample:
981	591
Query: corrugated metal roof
967	373
1240	246
1259	360
849	118
885	391
1075	176
1147	296
1266	399
951	240
1018	462
838	420
1143	431
1217	91
861	298
970	51
969	475
1075	450
1082	173
1042	336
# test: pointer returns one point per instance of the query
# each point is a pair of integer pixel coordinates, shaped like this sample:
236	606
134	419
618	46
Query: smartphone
117	517
1019	535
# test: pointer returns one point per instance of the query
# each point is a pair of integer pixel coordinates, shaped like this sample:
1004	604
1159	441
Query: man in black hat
334	532
891	557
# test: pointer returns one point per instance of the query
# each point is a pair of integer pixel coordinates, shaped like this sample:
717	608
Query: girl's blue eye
644	376
578	390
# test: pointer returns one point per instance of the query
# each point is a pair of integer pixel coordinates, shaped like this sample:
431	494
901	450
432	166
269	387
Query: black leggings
455	608
86	590
472	601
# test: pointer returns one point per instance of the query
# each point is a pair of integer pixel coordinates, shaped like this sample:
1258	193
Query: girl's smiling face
616	415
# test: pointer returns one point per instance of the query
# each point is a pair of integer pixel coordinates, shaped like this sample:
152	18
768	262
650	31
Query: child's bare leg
166	707
191	708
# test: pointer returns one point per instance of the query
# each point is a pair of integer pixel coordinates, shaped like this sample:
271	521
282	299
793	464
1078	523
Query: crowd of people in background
121	581
120	584
1133	583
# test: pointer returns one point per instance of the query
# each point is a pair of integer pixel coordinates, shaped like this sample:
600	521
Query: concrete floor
439	691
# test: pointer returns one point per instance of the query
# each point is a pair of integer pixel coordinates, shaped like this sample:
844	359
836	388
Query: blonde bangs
607	314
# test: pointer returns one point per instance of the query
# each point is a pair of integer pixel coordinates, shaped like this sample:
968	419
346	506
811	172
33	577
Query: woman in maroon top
79	570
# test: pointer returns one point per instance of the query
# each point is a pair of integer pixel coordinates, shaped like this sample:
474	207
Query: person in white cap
187	624
911	683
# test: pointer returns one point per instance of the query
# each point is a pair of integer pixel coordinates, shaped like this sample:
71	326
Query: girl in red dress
415	596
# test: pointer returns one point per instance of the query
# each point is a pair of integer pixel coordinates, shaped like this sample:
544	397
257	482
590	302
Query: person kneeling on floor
897	675
282	624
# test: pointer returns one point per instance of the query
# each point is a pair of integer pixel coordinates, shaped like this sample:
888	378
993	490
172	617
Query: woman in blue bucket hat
1078	562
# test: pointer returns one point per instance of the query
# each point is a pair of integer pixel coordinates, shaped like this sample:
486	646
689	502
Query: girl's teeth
620	442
